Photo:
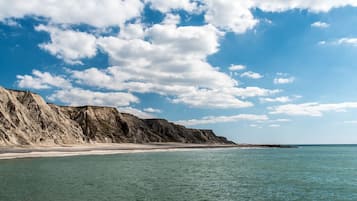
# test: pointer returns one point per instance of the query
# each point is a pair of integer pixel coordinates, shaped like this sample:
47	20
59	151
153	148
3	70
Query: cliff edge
26	119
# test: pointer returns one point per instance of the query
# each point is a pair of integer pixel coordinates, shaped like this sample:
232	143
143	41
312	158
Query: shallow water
306	173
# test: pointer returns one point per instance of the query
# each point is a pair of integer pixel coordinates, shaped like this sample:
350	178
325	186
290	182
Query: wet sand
9	152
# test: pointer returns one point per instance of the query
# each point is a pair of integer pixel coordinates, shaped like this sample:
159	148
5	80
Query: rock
26	119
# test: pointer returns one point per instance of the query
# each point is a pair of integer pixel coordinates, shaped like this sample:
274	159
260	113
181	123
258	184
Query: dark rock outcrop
25	119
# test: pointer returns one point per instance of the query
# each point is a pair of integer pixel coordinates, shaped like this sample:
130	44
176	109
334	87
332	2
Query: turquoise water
307	173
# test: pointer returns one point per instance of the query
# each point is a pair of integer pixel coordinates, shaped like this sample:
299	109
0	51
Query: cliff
26	119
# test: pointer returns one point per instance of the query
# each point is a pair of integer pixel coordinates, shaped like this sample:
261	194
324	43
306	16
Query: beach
28	151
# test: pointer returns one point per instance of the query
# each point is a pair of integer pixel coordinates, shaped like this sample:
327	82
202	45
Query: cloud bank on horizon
163	50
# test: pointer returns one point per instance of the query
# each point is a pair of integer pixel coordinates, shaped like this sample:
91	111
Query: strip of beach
28	151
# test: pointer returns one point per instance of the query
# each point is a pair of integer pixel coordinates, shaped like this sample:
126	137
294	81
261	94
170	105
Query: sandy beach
8	152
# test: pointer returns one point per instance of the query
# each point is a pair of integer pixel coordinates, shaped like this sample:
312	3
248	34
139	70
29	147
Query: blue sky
255	72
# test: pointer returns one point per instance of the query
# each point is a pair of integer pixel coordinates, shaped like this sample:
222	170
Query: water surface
306	173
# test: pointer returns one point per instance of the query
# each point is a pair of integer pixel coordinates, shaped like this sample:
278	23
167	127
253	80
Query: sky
272	71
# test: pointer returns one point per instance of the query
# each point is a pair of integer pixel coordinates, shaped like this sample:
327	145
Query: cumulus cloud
71	46
312	109
252	75
163	58
254	92
283	80
79	97
222	119
281	120
42	80
132	31
116	78
237	67
211	99
320	24
228	15
310	5
75	96
171	19
281	99
152	110
235	16
274	123
170	61
98	13
165	6
347	41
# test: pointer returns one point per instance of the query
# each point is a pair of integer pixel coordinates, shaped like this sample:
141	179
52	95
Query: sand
8	152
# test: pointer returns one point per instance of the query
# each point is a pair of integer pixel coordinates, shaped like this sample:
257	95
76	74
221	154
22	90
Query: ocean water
306	173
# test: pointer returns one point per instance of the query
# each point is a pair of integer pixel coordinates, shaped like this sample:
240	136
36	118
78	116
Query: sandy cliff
26	119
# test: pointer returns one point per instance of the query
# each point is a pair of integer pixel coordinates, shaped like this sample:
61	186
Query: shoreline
16	152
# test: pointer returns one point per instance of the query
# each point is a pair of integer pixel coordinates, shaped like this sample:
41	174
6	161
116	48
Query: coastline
28	151
12	152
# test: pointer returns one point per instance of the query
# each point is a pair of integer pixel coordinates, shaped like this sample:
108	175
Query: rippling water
306	173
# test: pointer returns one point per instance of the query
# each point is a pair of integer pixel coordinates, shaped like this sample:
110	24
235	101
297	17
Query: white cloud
152	110
71	46
284	80
80	97
136	112
253	92
211	99
268	122
98	13
312	109
311	5
347	41
131	31
237	67
165	6
320	24
228	15
237	16
222	119
163	58
282	99
172	62
171	19
281	120
41	80
77	97
341	41
252	75
114	78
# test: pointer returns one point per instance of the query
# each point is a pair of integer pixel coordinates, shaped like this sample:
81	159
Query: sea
305	173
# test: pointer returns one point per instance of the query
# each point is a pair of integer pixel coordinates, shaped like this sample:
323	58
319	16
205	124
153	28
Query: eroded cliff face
26	119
